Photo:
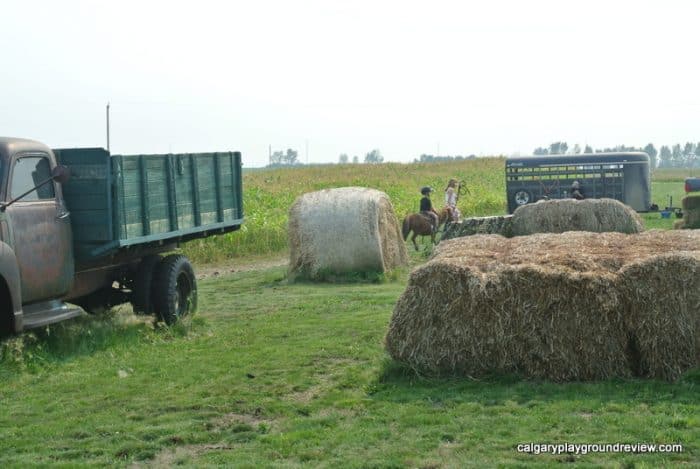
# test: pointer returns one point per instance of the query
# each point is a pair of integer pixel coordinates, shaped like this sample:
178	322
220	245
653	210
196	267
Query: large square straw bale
571	306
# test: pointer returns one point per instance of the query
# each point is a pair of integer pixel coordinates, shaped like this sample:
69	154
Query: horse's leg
414	240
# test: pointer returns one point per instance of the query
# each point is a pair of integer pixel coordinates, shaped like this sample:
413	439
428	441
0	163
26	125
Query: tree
688	150
588	149
540	151
355	159
558	148
576	150
343	158
651	151
290	158
374	157
276	158
665	157
677	156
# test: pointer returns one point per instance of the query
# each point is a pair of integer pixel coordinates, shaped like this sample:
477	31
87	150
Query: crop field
268	194
273	374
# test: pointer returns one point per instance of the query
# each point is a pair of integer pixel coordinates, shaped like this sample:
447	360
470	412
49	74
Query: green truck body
127	200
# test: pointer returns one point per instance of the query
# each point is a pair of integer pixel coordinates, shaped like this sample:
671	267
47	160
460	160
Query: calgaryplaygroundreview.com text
585	448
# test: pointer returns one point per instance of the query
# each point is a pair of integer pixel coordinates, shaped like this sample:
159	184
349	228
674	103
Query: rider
451	199
576	191
426	207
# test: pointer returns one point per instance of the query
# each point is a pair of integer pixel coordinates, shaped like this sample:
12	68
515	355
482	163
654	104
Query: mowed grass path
271	374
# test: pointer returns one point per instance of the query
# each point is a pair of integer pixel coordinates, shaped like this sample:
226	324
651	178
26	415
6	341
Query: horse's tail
406	227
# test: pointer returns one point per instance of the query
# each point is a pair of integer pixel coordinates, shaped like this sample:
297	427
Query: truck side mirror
60	174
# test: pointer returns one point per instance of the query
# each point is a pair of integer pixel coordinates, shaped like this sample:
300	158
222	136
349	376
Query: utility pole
107	126
269	159
307	152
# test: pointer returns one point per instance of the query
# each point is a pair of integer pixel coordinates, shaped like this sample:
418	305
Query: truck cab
36	250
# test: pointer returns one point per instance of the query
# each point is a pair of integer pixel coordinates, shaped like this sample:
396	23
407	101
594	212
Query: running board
48	312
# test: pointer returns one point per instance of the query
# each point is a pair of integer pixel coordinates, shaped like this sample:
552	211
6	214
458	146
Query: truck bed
122	201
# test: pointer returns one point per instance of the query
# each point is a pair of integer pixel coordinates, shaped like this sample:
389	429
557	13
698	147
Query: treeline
291	158
436	159
675	156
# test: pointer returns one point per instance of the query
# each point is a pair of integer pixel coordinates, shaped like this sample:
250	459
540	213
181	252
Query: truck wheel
174	289
141	299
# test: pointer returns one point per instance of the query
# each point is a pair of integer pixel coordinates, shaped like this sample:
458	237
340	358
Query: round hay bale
572	306
558	216
344	231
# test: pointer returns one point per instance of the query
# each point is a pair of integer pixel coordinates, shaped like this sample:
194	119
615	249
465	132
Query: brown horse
421	226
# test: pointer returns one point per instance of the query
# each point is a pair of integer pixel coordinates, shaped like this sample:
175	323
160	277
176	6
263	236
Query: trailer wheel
141	296
174	289
522	197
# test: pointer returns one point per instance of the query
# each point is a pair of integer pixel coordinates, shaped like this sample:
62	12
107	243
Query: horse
421	226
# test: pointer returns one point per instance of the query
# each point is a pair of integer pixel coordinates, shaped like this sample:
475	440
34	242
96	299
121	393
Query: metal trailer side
621	176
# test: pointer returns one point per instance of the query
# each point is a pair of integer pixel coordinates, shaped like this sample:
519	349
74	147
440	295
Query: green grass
291	375
268	194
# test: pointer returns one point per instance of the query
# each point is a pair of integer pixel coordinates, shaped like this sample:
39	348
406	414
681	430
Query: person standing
577	191
451	194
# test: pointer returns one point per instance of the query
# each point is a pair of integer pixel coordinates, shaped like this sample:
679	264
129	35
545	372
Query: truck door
40	230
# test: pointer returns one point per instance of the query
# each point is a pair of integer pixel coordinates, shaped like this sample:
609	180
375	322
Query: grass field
272	374
268	194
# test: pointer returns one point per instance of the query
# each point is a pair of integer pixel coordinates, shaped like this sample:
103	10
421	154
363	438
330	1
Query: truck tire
174	289
141	292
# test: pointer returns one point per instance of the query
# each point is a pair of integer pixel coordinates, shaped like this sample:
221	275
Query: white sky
472	77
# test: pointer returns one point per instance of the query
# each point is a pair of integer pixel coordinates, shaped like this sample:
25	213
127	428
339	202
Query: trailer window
29	172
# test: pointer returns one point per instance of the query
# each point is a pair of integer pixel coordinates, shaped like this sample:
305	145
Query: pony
421	226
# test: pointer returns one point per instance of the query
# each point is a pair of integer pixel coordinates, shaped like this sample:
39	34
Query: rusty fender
9	274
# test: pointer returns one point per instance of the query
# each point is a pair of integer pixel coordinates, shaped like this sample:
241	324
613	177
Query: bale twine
342	231
558	216
572	306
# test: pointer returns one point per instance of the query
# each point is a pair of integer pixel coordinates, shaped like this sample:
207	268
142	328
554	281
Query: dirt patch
234	418
326	377
171	456
236	266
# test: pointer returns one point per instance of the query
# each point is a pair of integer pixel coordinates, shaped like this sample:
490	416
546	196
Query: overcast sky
495	77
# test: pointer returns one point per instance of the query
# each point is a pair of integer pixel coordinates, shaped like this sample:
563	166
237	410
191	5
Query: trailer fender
9	275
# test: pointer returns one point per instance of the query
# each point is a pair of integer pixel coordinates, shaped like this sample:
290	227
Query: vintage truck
83	227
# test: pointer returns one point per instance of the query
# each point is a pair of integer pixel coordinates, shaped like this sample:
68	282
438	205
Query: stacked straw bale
479	225
344	231
572	306
558	216
691	213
